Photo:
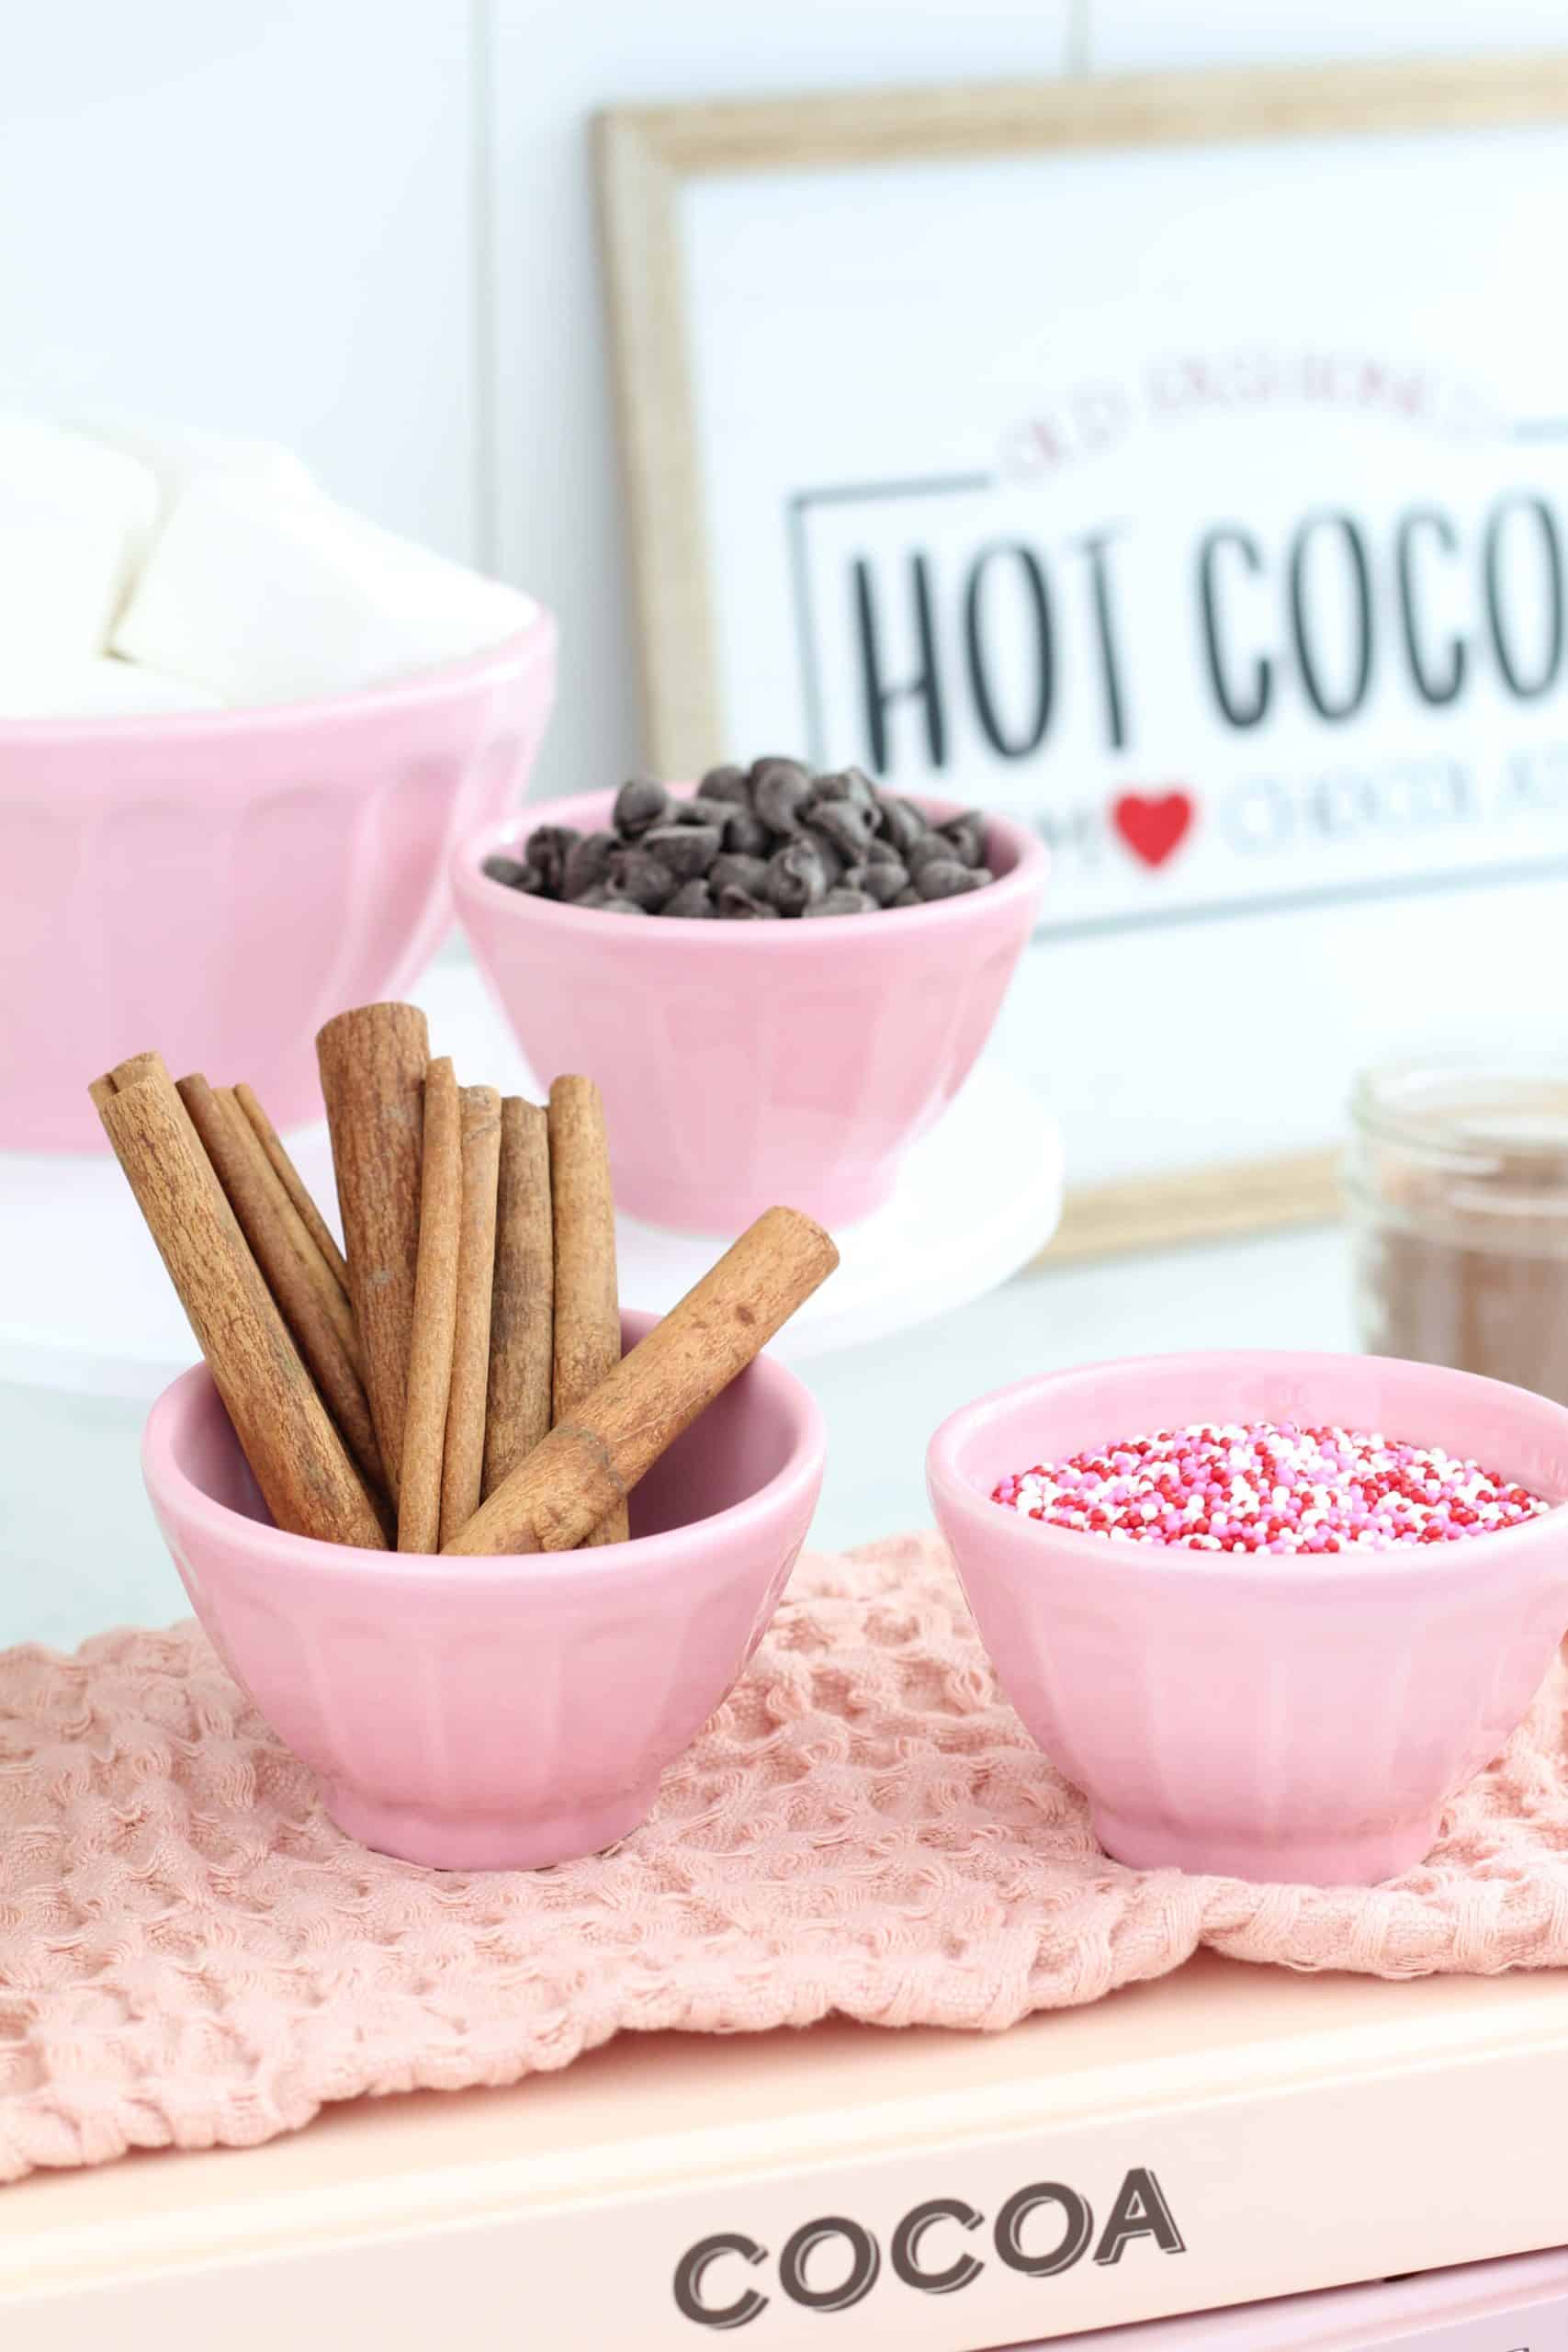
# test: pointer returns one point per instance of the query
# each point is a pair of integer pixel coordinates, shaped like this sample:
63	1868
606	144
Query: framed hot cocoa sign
1182	464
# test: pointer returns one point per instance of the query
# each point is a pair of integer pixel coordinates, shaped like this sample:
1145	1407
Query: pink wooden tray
1519	2306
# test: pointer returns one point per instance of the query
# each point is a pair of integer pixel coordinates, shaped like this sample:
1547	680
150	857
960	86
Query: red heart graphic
1152	825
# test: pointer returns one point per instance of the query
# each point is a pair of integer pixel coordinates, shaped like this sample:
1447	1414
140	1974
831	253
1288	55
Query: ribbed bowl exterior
218	885
473	1713
1270	1717
744	1064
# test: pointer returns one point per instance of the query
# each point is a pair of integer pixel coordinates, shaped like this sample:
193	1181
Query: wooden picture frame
647	155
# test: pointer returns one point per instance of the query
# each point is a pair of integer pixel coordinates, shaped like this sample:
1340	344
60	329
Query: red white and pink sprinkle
1269	1486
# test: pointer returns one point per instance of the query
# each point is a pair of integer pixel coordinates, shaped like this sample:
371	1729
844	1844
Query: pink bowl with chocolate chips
1298	1716
744	1064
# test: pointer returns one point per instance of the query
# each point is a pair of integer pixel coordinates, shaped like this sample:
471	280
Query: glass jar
1458	1189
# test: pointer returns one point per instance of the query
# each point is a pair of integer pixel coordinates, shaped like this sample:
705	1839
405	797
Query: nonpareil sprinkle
1269	1486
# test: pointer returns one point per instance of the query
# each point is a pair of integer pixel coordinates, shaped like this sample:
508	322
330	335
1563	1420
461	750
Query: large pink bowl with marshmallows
497	1714
218	884
1268	1717
745	1063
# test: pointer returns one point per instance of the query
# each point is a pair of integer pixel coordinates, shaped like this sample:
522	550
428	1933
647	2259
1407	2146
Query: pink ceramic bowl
742	1063
1277	1718
218	884
500	1713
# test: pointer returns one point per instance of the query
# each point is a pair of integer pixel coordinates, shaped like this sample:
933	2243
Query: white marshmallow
99	687
267	599
177	454
73	516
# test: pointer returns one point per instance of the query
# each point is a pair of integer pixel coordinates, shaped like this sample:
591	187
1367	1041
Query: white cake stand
85	1305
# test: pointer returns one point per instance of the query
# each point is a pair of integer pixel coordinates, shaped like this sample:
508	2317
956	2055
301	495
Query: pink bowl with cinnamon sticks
747	1063
226	881
497	1714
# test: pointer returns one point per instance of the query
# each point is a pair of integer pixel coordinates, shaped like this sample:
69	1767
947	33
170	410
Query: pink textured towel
191	1953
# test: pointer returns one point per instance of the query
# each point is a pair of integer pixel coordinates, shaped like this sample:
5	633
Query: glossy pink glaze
218	884
1267	1717
497	1714
743	1064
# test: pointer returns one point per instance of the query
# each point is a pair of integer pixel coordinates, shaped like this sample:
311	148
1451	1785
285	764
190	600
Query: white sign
1210	506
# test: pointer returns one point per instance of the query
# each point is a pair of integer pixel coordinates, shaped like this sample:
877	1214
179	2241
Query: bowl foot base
485	1841
1363	1857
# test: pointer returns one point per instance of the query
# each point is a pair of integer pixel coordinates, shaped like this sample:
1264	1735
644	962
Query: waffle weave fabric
191	1954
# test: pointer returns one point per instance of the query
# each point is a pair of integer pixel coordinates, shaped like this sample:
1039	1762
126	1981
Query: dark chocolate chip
773	760
510	870
588	863
842	902
909	898
880	853
726	783
747	833
547	848
686	849
901	823
730	870
881	883
929	849
832	857
848	783
780	789
967	834
638	805
740	906
638	874
693	900
942	877
610	902
698	811
795	877
846	823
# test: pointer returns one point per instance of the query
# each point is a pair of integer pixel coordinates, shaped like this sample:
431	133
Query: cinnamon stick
132	1072
462	1466
265	1177
372	1064
434	1312
587	1301
522	1318
594	1456
229	1143
294	1184
298	1461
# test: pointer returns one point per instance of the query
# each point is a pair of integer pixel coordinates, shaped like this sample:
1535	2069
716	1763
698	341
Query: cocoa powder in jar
1457	1187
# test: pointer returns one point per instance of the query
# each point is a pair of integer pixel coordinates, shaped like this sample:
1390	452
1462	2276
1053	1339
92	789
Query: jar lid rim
1515	1108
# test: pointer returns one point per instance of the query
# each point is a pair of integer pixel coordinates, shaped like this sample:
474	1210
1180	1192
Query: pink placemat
190	1953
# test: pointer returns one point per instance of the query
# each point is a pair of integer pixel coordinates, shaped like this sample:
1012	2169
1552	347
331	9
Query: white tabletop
80	1551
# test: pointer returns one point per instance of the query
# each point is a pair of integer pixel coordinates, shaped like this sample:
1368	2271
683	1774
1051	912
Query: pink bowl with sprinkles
1269	1486
1270	1610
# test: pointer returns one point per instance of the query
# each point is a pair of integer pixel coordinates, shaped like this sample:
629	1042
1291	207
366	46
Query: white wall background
367	227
